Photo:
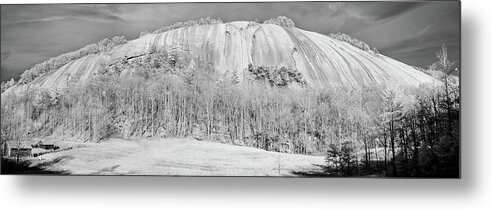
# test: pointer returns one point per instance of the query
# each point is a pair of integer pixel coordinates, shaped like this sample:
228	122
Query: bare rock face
323	62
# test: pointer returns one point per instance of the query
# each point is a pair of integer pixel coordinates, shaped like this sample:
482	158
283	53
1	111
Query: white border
473	191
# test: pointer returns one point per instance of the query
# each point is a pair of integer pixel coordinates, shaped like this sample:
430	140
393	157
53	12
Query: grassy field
156	156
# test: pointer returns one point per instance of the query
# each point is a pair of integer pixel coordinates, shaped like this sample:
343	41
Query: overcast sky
409	32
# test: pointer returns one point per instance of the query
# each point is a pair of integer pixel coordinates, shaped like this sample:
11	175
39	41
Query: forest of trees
387	131
415	134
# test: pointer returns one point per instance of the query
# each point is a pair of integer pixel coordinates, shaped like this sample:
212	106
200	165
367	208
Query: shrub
143	33
107	45
278	76
7	85
352	41
340	158
375	51
189	23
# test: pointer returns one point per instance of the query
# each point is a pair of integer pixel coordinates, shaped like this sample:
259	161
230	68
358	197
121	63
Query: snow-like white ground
157	156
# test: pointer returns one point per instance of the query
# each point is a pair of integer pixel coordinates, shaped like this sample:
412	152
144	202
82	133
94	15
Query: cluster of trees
278	76
281	21
415	133
375	130
148	65
54	63
189	23
107	45
352	41
7	84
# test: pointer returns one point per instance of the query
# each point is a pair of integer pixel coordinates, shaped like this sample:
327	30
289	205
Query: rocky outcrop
323	61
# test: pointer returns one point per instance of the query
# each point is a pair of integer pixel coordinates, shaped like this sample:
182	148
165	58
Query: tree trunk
392	138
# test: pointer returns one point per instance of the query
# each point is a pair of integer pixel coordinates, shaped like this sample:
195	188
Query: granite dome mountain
229	48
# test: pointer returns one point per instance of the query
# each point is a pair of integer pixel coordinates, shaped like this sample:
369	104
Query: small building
44	144
14	149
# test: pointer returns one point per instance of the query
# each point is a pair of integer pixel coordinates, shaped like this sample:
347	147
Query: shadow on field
319	172
107	170
54	161
9	166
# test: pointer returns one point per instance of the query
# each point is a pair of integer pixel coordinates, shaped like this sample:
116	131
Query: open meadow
174	156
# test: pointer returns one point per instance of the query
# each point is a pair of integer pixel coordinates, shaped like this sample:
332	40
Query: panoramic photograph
261	89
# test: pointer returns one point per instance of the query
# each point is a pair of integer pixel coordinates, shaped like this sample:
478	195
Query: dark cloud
383	11
100	12
14	15
409	32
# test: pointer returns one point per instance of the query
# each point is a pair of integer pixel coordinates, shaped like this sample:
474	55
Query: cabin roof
45	142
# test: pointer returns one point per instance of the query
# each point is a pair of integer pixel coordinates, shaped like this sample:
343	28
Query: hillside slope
323	61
